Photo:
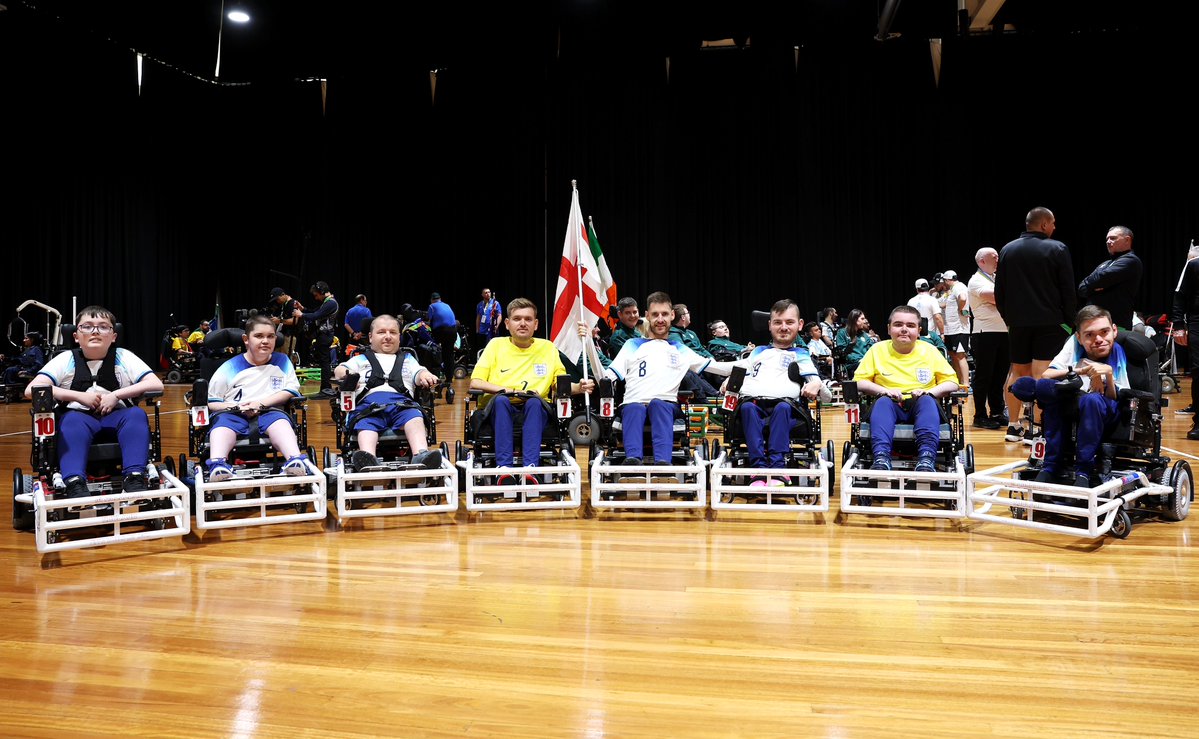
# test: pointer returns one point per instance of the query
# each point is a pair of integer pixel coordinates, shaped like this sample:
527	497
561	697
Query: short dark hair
902	309
1037	216
658	298
320	286
1090	313
98	312
782	306
626	303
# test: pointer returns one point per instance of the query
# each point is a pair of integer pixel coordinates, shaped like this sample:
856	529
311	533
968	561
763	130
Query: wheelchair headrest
759	320
68	335
223	339
1143	362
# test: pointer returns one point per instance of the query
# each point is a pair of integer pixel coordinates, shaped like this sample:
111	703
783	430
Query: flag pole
574	186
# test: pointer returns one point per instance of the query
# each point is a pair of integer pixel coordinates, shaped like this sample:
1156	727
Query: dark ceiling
300	39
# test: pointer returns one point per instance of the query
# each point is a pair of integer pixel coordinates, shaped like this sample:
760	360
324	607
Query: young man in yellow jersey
908	376
519	362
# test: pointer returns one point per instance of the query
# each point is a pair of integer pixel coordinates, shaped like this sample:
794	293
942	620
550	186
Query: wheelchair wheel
845	451
1122	525
328	458
174	377
459	454
715	448
449	396
582	430
829	450
445	450
168	464
22	514
1168	384
460	372
1183	482
968	459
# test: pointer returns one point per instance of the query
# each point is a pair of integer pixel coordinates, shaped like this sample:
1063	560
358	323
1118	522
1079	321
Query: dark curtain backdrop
731	180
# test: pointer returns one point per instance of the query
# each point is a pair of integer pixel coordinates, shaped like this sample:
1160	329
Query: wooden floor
655	624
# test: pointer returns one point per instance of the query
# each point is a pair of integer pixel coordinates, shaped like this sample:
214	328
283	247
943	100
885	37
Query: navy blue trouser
661	419
77	429
503	414
767	451
1097	416
924	413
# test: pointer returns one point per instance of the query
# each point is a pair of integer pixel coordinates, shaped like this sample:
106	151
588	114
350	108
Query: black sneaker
1045	476
1082	480
76	488
1014	433
632	460
988	424
134	482
1193	434
360	460
1031	435
881	463
1188	409
430	459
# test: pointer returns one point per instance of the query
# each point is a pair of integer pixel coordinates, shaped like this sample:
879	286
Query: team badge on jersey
276	383
540	369
924	375
673	359
785	359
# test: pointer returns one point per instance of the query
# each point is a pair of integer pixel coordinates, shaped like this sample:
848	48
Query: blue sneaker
219	470
926	463
296	466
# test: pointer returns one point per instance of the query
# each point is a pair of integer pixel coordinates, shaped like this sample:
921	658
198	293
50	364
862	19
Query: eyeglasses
93	328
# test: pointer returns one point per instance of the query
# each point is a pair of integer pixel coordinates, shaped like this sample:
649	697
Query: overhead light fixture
238	15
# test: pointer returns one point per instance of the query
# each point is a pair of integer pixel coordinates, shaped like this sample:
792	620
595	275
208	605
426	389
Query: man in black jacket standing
1115	283
1035	295
1184	325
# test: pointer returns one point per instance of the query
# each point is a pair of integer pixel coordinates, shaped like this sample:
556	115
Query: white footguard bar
398	491
123	517
647	484
483	495
807	489
903	492
1096	511
268	494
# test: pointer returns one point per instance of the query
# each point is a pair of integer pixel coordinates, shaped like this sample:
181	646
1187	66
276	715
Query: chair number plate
200	415
563	407
44	425
730	401
347	402
853	413
607	407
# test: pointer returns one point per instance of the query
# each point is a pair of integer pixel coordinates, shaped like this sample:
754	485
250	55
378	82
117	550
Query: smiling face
904	329
785	326
630	317
385	336
1097	336
95	334
660	316
260	343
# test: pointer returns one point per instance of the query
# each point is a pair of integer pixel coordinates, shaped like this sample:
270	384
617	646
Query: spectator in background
488	315
1114	284
357	316
445	331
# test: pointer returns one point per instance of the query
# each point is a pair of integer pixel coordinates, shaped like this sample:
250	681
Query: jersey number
641	369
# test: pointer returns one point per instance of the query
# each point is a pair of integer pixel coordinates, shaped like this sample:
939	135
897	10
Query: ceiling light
237	15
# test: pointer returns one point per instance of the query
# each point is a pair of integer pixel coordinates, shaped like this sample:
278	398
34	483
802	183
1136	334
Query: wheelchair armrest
1129	394
349	383
475	393
146	397
849	391
685	395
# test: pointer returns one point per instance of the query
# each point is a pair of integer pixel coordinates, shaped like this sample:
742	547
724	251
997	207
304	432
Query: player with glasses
95	381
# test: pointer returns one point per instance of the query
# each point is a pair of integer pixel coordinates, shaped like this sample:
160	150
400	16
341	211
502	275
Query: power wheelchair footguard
902	491
1135	480
804	485
258	493
108	514
682	484
556	478
394	487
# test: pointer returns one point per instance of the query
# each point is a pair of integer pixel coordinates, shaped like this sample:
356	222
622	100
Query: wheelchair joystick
1072	382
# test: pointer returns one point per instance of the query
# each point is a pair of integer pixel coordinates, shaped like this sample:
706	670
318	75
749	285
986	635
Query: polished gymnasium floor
628	624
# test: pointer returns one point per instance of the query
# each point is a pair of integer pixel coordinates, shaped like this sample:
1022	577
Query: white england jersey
653	368
408	373
238	381
766	371
129	369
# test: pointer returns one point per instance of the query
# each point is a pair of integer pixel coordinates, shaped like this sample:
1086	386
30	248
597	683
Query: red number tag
730	401
853	412
563	407
347	402
43	425
607	407
200	415
1038	449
